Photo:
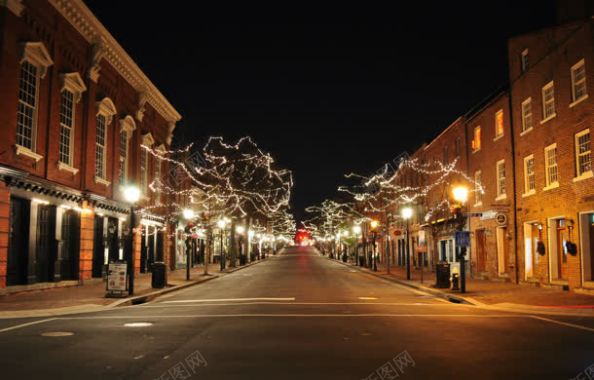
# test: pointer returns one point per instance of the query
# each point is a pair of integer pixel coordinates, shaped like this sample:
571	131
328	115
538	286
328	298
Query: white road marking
26	324
367	298
54	334
567	324
234	300
161	306
295	315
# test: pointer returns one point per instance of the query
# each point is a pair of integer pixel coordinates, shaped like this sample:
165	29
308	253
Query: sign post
117	279
462	241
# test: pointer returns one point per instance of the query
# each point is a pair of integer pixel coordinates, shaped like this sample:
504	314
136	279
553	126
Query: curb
144	298
426	289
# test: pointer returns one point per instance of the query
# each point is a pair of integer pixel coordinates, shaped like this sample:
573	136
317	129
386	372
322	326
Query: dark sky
327	90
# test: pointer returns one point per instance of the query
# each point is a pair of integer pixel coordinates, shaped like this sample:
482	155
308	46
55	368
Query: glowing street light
357	230
460	194
407	213
188	214
240	230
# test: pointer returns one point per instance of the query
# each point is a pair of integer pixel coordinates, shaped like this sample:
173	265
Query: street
297	315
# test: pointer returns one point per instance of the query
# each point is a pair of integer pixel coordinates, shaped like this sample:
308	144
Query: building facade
75	111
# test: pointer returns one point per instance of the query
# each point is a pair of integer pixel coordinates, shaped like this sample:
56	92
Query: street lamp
406	214
374	224
188	215
460	194
131	195
221	223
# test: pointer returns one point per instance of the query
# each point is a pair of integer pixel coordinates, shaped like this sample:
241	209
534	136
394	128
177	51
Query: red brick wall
4	231
87	223
567	45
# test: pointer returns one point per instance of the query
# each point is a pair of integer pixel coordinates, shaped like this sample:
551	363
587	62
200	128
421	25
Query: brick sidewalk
93	293
496	292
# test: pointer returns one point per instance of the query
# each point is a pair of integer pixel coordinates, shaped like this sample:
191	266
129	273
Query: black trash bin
442	275
159	278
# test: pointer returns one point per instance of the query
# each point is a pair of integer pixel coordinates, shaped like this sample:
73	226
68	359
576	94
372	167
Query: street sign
463	238
116	279
501	219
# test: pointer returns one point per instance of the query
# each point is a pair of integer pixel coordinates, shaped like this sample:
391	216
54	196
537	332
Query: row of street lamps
459	194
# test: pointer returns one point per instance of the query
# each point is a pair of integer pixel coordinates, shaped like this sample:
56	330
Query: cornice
83	20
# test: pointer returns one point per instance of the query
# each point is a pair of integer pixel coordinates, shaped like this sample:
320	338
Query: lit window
529	177
583	153
499	124
476	139
123	156
27	109
147	141
578	81
524	60
100	154
478	188
551	169
527	115
548	101
501	179
66	127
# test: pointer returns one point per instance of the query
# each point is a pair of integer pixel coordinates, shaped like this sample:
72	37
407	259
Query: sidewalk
91	296
496	295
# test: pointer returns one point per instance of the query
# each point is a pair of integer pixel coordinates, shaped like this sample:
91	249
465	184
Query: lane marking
54	334
566	324
295	315
367	298
234	300
26	324
161	306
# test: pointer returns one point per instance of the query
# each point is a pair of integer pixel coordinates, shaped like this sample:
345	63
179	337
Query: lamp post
406	214
460	194
131	195
221	223
374	224
188	216
240	230
251	235
357	232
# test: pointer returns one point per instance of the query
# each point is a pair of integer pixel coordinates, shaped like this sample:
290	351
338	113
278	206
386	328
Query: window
123	156
548	101
148	141
524	60
583	153
458	143
551	169
158	179
476	139
529	178
578	82
499	124
527	115
27	109
501	179
66	127
100	153
478	188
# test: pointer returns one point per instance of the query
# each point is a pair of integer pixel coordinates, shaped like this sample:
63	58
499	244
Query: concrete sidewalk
91	296
494	295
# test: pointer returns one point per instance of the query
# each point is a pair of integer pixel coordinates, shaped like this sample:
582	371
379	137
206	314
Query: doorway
70	245
501	250
18	243
45	248
98	246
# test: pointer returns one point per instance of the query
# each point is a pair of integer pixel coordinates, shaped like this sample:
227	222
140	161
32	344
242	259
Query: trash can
159	278
442	275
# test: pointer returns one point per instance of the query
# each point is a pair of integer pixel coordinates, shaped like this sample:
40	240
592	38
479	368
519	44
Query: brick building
75	110
551	75
491	202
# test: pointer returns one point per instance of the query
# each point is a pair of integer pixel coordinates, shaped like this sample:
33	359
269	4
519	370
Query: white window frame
581	64
73	83
527	190
527	115
159	173
148	140
524	60
36	55
499	135
548	87
548	183
478	188
106	109
474	148
501	190
588	173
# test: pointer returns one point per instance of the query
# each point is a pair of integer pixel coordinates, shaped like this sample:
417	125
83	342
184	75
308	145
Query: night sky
327	90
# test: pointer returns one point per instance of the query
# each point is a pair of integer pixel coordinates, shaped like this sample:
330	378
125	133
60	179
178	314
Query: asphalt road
297	315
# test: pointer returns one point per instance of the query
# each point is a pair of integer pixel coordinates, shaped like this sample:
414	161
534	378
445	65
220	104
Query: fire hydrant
455	281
